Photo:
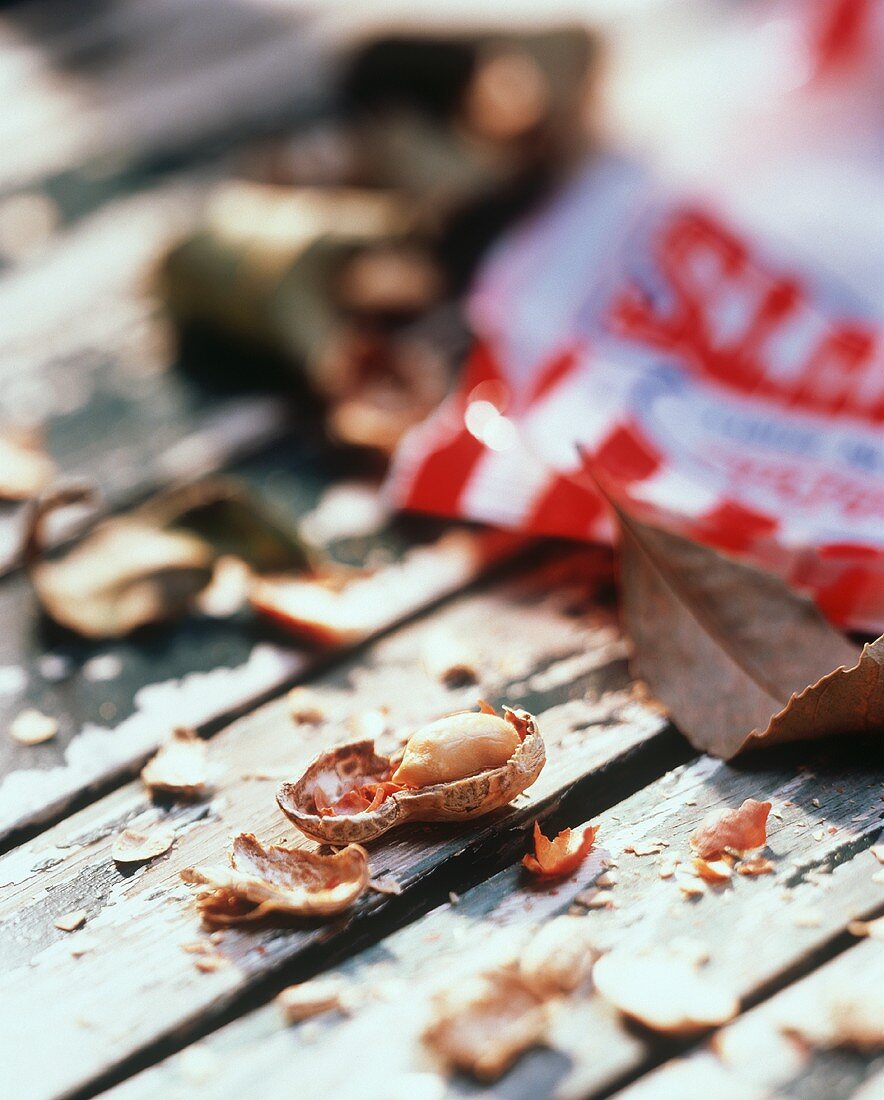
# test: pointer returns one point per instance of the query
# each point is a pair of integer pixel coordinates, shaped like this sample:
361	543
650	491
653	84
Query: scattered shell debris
371	723
305	705
664	992
835	1017
448	658
263	881
228	590
483	1024
25	468
349	509
734	831
137	846
562	855
597	899
757	866
180	768
70	922
102	667
874	929
32	727
385	885
559	956
307	999
717	871
647	847
210	963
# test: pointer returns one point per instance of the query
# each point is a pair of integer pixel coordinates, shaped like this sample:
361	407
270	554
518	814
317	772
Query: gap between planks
137	987
759	934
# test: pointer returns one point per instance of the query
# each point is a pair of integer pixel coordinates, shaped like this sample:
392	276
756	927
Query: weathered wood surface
117	701
758	1057
144	79
757	931
85	354
535	644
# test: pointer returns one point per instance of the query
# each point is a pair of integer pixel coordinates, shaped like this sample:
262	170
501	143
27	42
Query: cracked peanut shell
354	765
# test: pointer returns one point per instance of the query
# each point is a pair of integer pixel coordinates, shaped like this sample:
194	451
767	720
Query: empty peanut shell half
455	769
263	880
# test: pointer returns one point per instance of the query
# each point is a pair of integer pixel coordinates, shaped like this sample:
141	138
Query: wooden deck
118	1004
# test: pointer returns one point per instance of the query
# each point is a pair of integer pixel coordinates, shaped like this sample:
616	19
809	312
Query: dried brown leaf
665	993
733	830
180	767
847	700
135	846
290	881
726	647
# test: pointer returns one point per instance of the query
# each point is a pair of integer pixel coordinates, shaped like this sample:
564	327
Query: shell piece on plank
482	1026
180	767
353	766
290	881
664	992
135	846
124	574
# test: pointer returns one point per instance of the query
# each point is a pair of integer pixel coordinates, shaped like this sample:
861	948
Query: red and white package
715	389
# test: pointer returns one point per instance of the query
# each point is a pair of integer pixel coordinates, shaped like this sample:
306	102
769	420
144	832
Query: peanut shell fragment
134	846
180	766
663	992
263	880
31	727
347	795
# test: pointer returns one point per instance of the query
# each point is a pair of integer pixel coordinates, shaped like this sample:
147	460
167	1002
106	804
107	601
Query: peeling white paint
32	794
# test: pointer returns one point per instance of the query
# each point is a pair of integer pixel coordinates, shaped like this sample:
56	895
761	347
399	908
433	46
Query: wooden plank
757	931
534	643
139	80
756	1057
87	356
117	701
